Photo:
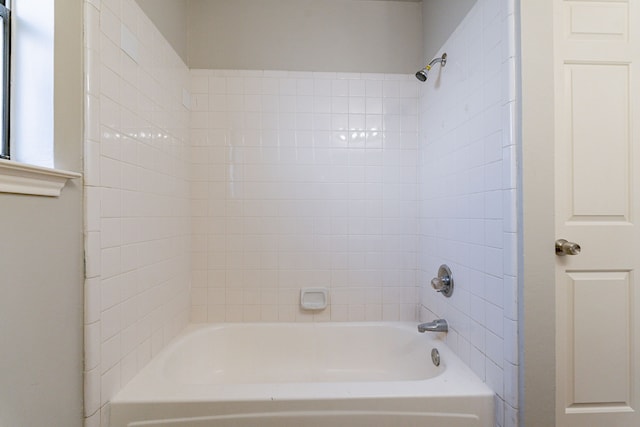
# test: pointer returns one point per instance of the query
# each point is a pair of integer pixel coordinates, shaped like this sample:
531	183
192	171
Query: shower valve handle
439	284
444	282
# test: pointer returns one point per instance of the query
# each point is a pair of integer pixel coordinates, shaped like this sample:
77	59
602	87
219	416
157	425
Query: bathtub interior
276	353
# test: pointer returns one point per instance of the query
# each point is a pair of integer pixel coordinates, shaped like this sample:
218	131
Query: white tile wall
137	205
303	179
466	187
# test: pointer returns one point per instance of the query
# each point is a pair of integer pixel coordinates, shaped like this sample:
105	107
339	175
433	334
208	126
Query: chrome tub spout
438	325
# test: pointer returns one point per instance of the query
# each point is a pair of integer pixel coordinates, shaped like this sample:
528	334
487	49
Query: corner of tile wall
137	210
467	185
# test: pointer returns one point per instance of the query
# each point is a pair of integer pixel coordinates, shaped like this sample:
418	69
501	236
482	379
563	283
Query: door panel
600	148
597	200
600	306
597	20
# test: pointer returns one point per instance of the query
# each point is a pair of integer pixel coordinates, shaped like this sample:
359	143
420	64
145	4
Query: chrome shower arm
442	60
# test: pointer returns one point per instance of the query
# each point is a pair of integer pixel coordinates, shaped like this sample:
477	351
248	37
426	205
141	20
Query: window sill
20	178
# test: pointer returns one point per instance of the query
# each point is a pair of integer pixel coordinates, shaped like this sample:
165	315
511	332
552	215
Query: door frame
537	315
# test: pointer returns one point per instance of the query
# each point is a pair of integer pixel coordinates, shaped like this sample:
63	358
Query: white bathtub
311	375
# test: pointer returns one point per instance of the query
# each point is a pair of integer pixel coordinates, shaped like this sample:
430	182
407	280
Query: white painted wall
234	34
306	35
467	192
41	309
538	292
170	18
41	300
439	19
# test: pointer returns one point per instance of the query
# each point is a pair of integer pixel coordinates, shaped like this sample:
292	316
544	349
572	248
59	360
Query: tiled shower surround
137	219
467	198
280	180
303	179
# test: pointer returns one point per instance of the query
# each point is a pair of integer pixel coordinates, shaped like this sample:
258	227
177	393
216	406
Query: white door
598	207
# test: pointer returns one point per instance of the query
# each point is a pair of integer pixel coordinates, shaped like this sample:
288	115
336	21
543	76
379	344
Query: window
30	48
5	32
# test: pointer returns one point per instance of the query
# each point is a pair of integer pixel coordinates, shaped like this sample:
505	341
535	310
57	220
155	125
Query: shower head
423	74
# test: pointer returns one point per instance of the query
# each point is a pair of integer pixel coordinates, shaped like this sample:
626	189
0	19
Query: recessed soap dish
314	298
